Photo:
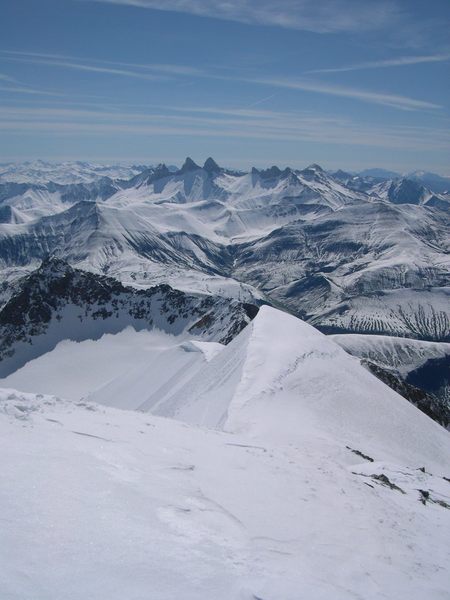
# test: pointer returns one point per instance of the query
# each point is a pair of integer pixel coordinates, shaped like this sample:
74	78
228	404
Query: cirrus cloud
326	16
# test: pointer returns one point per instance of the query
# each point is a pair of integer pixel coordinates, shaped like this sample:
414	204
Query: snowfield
130	366
287	471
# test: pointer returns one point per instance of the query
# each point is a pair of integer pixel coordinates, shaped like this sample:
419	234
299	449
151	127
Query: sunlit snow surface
122	370
253	490
100	503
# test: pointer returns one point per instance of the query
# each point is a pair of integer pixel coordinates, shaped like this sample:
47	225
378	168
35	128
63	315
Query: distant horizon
237	166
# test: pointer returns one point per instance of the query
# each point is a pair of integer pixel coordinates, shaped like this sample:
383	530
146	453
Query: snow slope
281	379
288	469
278	379
402	354
100	503
57	303
130	367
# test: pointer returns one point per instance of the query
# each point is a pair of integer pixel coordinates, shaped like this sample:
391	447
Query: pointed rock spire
189	165
52	266
211	166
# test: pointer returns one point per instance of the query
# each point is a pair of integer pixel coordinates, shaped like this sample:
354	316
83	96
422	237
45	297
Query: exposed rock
436	408
58	302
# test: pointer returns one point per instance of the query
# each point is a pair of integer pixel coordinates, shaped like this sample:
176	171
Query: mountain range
218	383
345	256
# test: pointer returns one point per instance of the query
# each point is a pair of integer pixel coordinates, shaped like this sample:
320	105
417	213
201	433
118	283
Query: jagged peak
159	172
314	167
340	174
211	166
406	191
161	169
312	171
273	172
189	165
54	266
149	175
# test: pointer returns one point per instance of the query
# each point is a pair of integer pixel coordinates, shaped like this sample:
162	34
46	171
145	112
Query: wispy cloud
166	72
326	16
390	62
262	100
209	122
11	85
85	67
90	64
385	99
17	89
4	77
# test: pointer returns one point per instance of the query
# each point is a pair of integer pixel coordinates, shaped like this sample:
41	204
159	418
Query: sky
344	83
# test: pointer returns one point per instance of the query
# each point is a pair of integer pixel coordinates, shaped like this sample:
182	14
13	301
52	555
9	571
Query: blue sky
345	83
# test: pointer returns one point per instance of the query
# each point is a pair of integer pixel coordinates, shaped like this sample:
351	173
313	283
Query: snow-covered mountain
402	363
274	363
402	354
370	267
57	302
406	191
346	257
348	253
281	465
48	314
42	172
434	182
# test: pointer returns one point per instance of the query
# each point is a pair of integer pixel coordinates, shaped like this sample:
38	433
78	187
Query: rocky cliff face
437	408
